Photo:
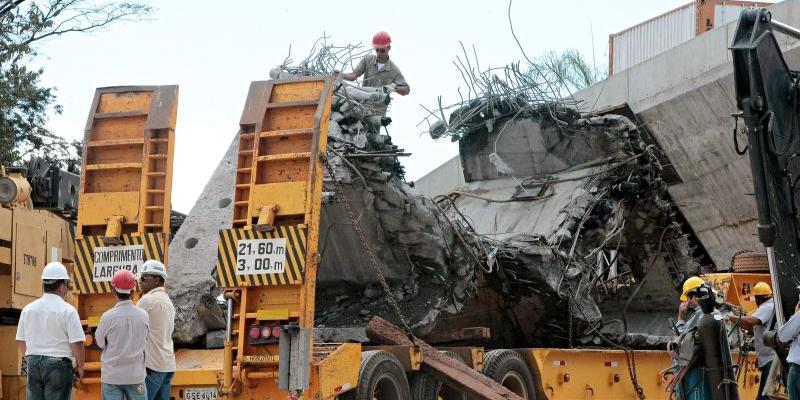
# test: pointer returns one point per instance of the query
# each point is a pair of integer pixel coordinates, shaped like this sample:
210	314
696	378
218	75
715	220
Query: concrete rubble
193	252
563	233
599	187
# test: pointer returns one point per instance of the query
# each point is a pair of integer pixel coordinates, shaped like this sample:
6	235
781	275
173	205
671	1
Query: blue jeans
49	378
694	385
158	384
763	380
129	392
793	382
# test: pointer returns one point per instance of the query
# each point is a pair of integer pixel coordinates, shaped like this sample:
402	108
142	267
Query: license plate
200	394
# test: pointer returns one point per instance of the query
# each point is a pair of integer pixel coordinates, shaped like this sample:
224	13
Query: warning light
255	332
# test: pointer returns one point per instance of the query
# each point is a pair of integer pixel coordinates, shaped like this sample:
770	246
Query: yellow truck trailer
267	267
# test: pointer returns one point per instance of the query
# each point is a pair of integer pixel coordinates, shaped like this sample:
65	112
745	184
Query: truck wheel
509	369
425	386
381	378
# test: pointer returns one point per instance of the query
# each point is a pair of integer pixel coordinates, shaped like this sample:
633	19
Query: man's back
159	348
48	325
122	334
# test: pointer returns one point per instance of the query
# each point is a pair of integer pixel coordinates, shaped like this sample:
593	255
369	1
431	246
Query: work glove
389	88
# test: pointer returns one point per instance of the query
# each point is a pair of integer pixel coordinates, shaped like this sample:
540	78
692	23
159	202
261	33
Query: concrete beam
686	97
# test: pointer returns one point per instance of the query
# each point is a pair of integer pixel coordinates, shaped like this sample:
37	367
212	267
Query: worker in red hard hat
378	70
122	334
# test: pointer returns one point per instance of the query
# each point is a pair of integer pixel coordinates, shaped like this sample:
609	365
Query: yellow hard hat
691	284
761	289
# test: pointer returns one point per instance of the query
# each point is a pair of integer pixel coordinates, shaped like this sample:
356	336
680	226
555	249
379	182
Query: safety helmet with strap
690	284
54	271
153	267
381	40
123	281
761	289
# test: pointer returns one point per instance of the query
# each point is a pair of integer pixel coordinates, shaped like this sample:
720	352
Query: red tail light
276	332
266	332
255	332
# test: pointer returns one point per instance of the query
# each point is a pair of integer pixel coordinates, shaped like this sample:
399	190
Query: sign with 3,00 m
260	256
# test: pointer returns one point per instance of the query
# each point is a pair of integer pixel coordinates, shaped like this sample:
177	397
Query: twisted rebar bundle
543	88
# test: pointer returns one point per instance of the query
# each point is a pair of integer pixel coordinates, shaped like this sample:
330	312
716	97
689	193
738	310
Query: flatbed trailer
267	267
282	141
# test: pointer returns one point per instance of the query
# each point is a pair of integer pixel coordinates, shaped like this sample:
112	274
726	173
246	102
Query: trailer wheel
425	386
381	378
509	369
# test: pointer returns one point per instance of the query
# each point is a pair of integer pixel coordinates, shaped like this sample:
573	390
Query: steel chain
373	260
630	357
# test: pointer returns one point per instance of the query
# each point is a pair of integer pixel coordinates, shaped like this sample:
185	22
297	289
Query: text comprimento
260	256
108	260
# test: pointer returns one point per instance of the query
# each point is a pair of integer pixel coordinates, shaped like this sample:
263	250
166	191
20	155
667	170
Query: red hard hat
123	281
381	40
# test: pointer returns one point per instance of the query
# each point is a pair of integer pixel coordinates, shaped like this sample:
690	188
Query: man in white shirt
159	352
759	322
122	334
49	333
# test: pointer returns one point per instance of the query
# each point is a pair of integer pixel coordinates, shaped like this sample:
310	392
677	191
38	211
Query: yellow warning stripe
294	268
84	252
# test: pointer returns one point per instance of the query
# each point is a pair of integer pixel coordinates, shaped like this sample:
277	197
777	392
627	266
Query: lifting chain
629	356
373	260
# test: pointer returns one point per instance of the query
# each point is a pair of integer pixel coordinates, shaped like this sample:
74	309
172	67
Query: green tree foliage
24	101
568	69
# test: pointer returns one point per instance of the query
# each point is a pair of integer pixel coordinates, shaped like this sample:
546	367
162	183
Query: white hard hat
154	267
54	271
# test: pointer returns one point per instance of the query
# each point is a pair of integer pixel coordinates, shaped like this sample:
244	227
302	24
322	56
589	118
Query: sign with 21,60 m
260	256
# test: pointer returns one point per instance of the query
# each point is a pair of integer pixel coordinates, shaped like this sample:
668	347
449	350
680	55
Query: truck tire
509	369
425	386
381	377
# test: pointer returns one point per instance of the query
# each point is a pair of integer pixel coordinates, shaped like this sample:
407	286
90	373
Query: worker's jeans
694	385
128	392
763	380
793	382
49	378
158	384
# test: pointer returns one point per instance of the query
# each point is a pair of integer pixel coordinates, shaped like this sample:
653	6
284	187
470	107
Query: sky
213	50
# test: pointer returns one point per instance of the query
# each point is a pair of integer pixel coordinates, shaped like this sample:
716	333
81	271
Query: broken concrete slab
476	257
193	252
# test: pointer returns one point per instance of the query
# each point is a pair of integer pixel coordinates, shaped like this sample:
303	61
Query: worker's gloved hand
729	317
389	88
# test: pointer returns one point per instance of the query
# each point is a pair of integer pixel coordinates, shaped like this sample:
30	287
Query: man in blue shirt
693	385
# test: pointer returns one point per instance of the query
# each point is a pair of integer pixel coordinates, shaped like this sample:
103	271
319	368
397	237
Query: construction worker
50	334
759	322
379	71
693	385
159	353
122	334
789	333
